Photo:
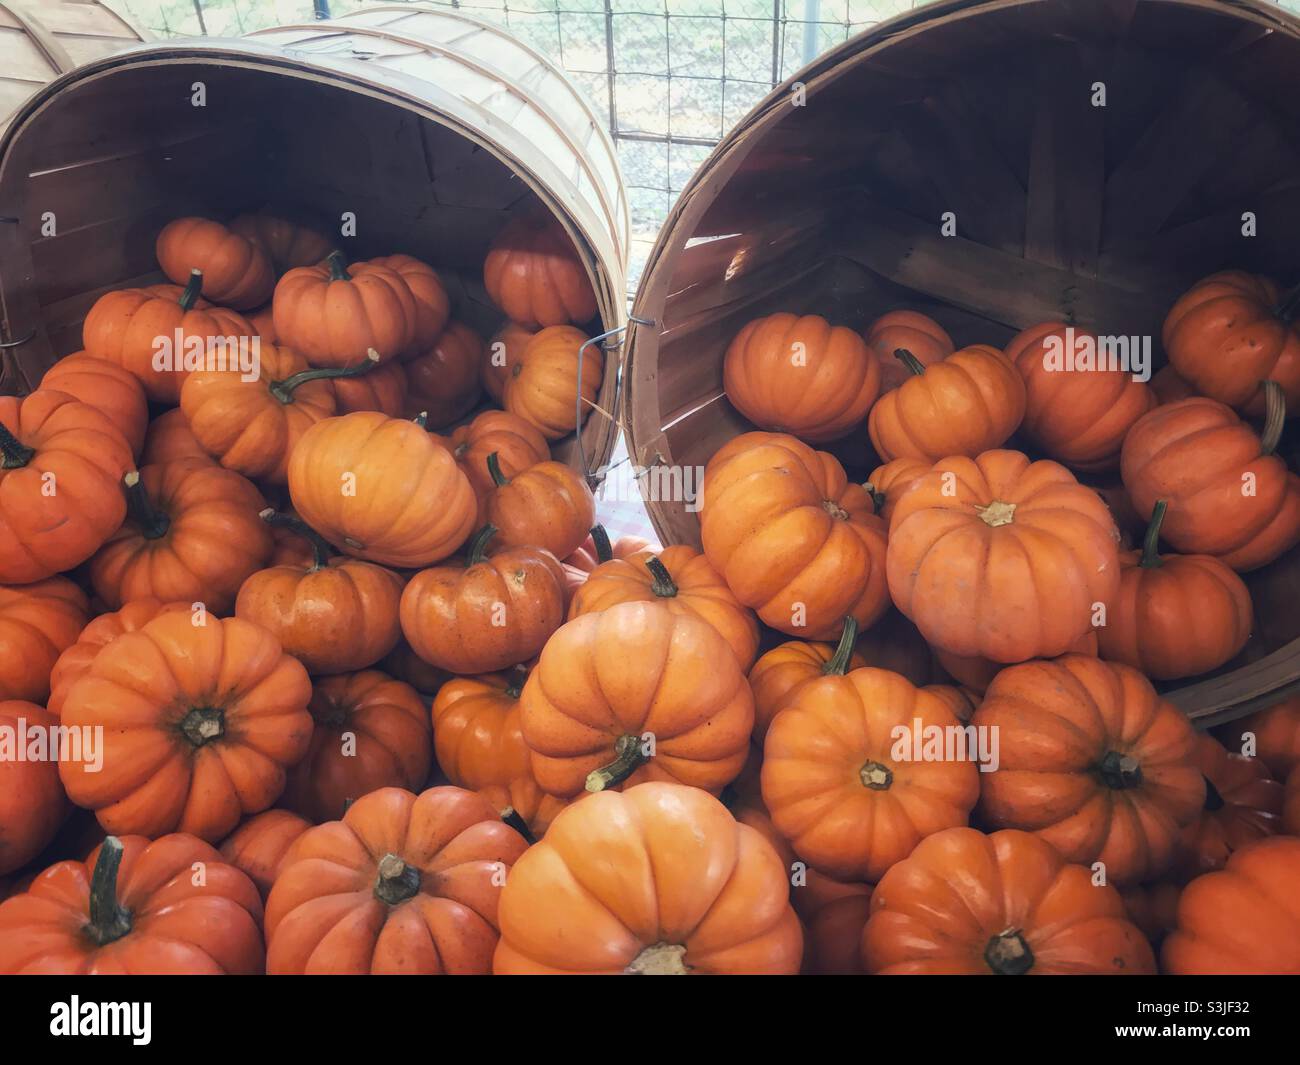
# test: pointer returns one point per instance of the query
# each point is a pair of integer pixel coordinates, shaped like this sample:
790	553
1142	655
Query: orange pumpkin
787	667
404	664
1229	495
284	241
1153	908
404	884
236	272
333	313
37	623
1244	919
515	442
800	375
543	385
970	402
1242	804
524	806
684	581
1092	760
50	440
895	644
432	304
135	907
490	613
533	273
1001	558
371	732
1078	408
1169	387
925	338
887	483
1005	904
263	322
636	692
106	386
977	673
381	489
199	722
791	537
1291	804
546	505
380	388
169	439
1272	735
1231	331
1176	615
32	803
442	379
659	879
258	847
835	784
192	533
124	327
334	616
597	548
500	356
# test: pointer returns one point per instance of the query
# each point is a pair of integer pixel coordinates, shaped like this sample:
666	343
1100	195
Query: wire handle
618	387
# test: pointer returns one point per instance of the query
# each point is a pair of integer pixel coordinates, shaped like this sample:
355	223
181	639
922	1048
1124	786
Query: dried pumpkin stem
422	419
1007	953
627	759
478	546
663	586
604	549
338	265
877	497
1274	417
1120	771
16	453
996	513
109	919
838	663
1151	542
914	365
661	959
397	881
204	725
876	776
283	390
191	294
321	550
153	522
494	470
512	817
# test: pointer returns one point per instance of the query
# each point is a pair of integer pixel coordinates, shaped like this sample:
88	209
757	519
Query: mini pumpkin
493	612
1242	804
925	338
258	847
543	386
500	356
37	623
169	440
442	378
236	272
1005	904
636	692
976	674
1271	734
1093	761
524	806
285	241
432	304
598	548
659	879
1169	387
32	803
790	665
379	388
887	483
800	375
547	505
516	443
968	403
106	386
50	439
1153	908
533	273
792	538
894	643
403	884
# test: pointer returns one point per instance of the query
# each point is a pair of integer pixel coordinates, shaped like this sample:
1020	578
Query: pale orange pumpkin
543	384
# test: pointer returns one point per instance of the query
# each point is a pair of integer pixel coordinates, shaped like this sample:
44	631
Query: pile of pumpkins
410	711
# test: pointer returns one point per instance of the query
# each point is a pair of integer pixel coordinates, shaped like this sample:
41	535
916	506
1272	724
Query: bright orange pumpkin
286	242
925	338
257	848
597	548
546	505
543	384
516	443
432	304
534	274
236	272
500	356
1242	804
442	379
106	386
887	483
32	803
790	665
37	623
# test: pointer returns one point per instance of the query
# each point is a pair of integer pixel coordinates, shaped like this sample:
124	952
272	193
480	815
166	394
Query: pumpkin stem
877	497
338	265
876	776
422	419
663	585
109	919
662	959
1008	954
604	549
838	663
478	546
191	294
996	513
1151	542
517	678
204	724
16	453
1288	303
1274	417
320	549
283	390
494	470
153	522
397	881
1120	771
627	759
1213	797
913	364
511	817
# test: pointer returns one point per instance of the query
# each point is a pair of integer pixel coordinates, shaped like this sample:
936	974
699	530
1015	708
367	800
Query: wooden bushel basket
828	198
431	127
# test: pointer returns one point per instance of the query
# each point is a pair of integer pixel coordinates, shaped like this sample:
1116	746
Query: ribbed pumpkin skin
925	338
1001	558
632	669
432	304
1169	387
968	403
1195	454
1093	761
1075	416
382	389
793	539
75	447
887	483
961	899
411	505
516	443
32	802
37	623
257	848
621	877
169	439
1244	919
1275	735
778	673
547	505
502	352
1224	336
977	673
285	242
179	927
533	273
324	915
442	379
1242	804
800	375
106	386
477	735
542	385
236	272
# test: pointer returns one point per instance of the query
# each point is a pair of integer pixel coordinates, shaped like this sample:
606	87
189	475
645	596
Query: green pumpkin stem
109	919
478	546
192	290
320	549
283	390
153	522
838	664
511	817
627	759
338	265
914	365
422	419
396	881
1007	953
877	497
1151	542
663	585
604	549
1274	417
16	453
494	470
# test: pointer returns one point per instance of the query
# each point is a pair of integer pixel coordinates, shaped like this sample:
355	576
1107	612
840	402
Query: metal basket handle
604	340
